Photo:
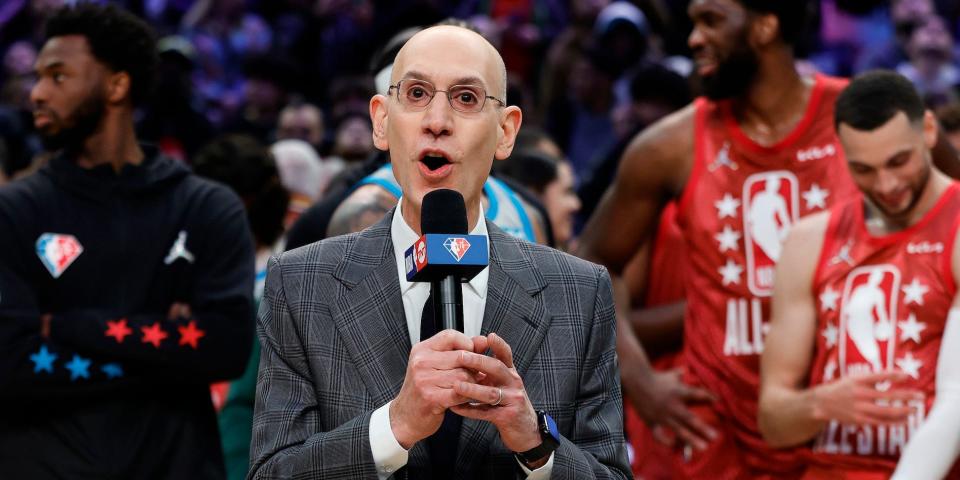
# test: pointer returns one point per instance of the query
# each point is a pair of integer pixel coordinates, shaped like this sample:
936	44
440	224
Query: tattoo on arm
360	210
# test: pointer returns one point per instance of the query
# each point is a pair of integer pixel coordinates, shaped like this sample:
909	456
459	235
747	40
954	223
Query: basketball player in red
863	294
746	162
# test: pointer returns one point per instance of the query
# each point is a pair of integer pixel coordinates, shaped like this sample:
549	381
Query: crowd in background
241	78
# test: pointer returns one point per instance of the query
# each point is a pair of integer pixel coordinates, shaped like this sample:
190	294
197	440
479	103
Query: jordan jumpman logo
179	250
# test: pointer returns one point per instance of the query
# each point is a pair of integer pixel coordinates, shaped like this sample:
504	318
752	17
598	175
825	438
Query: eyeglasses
417	94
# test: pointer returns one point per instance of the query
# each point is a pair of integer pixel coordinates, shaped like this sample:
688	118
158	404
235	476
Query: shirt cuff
542	473
388	455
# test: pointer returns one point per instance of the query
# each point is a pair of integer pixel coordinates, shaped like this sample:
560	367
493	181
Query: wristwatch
549	437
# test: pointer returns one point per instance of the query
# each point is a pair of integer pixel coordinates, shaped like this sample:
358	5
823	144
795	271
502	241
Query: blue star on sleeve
79	367
43	360
113	370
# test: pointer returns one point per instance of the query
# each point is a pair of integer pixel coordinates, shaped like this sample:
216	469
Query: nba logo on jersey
868	318
770	207
57	251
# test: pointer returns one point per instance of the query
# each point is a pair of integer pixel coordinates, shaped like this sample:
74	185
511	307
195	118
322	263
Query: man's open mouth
434	161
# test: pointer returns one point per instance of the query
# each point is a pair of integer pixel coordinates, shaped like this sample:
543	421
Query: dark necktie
443	443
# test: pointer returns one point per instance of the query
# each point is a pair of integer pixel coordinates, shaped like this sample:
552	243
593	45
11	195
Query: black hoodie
109	387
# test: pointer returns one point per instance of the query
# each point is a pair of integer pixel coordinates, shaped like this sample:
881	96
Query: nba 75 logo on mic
457	246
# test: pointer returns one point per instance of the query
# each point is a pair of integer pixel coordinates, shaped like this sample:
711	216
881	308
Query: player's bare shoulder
663	151
806	237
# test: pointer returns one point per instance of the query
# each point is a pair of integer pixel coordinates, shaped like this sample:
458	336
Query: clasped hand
450	371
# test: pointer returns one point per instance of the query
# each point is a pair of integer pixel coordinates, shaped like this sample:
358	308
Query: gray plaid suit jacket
335	345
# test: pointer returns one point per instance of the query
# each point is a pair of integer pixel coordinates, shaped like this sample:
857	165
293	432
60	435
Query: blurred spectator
851	33
244	165
18	59
350	94
562	52
551	179
353	138
171	119
621	32
303	173
241	32
339	27
18	143
931	65
949	116
268	84
907	16
17	75
655	91
520	29
581	122
302	121
226	36
23	20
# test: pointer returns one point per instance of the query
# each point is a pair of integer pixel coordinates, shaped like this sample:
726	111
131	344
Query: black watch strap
548	444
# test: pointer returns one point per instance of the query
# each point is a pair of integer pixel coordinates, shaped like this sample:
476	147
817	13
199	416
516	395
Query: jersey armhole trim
833	222
696	170
947	267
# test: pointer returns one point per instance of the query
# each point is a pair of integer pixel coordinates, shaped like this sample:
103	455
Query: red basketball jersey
882	304
740	202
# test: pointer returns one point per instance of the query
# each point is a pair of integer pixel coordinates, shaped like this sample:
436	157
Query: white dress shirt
388	455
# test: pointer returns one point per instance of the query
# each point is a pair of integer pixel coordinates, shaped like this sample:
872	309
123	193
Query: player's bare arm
654	168
935	446
791	414
364	207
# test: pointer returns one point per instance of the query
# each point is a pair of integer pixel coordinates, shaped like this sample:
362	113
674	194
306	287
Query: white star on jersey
728	238
727	206
731	272
911	328
913	292
909	365
830	335
816	197
828	299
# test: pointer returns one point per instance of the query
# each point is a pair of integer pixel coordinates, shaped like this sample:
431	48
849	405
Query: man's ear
931	129
118	87
764	29
378	115
510	120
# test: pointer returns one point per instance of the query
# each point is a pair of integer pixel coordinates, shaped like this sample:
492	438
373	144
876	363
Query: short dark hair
246	166
791	14
117	38
654	82
874	97
949	116
532	169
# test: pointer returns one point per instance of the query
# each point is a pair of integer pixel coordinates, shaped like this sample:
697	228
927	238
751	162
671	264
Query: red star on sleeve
154	334
118	329
190	334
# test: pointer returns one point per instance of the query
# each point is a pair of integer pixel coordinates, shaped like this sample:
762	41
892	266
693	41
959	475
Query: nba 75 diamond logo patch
57	251
457	247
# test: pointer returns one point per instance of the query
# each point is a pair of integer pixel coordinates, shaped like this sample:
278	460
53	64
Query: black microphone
443	212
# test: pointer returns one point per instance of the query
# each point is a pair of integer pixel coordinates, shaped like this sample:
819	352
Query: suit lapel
369	312
515	311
